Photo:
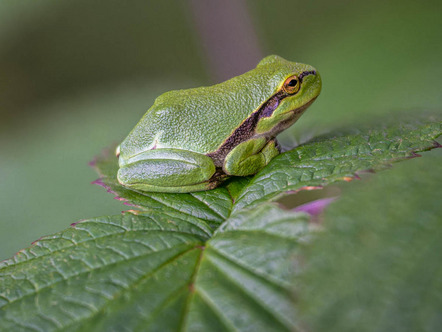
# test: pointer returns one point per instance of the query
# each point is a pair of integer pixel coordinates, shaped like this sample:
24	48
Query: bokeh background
76	76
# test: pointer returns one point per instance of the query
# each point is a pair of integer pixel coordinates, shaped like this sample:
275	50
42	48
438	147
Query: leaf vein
267	277
148	275
82	273
13	265
219	314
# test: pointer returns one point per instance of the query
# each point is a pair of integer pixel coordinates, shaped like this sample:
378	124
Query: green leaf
338	157
158	273
377	265
325	160
221	259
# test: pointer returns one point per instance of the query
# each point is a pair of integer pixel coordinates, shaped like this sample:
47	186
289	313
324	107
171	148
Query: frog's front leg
167	170
249	157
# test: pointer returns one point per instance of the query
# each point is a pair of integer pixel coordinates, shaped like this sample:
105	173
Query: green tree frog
192	140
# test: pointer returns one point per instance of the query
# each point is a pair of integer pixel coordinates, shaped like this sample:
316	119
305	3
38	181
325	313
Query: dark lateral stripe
270	106
247	129
306	73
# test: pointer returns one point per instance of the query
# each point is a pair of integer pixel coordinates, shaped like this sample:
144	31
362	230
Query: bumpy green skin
191	140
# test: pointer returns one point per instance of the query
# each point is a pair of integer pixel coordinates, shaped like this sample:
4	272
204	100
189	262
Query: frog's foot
249	157
169	170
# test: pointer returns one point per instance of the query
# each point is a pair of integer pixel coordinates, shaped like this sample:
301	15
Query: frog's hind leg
169	170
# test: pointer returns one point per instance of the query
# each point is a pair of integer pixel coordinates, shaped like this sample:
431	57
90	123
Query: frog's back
201	119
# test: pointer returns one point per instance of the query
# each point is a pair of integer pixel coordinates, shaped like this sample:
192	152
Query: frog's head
296	87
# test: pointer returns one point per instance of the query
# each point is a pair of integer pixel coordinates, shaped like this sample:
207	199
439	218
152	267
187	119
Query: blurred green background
75	77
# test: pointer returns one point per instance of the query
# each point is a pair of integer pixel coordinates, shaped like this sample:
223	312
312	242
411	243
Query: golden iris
292	85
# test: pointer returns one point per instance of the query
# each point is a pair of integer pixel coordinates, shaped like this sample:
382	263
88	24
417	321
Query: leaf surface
223	259
337	157
376	267
155	272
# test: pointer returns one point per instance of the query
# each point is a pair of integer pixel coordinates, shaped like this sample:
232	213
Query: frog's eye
291	85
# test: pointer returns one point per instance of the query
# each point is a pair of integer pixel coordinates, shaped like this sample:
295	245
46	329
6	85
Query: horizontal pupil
293	83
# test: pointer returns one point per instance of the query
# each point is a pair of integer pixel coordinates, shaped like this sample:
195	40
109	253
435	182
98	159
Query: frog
194	139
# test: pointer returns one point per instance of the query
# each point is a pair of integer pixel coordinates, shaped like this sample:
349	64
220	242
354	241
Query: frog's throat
247	128
295	115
